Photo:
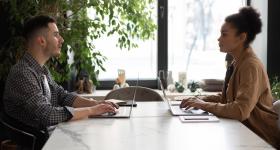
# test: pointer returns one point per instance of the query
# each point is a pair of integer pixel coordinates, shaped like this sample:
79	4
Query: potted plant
193	85
130	20
179	87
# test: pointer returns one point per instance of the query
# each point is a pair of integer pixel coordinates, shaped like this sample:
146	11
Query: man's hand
192	102
85	107
109	103
101	109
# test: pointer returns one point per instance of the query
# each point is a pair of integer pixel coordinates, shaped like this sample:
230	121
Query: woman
246	95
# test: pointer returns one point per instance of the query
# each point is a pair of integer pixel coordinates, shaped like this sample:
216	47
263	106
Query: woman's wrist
204	98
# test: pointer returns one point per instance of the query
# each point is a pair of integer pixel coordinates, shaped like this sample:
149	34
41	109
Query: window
193	30
141	60
186	42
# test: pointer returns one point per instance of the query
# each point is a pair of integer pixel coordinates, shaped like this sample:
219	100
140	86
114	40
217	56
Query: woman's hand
192	102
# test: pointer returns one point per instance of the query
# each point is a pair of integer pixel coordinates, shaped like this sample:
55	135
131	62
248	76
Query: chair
24	136
127	93
16	135
276	107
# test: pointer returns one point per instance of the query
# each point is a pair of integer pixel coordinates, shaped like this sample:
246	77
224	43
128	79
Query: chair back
127	93
20	137
22	134
276	107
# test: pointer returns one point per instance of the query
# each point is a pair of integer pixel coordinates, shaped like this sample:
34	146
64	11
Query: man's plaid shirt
29	99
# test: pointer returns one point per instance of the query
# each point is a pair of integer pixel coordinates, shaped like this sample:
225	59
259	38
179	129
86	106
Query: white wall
260	43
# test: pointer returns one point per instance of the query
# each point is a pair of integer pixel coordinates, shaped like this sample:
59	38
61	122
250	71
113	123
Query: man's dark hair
246	21
35	23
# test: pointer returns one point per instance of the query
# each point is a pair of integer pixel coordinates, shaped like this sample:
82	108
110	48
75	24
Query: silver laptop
124	111
177	111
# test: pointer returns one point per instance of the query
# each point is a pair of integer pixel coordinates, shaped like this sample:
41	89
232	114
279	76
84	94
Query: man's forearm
80	113
83	102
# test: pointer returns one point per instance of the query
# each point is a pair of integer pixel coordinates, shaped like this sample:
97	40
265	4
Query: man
31	96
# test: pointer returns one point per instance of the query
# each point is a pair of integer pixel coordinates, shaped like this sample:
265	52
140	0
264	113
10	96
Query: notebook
190	119
177	111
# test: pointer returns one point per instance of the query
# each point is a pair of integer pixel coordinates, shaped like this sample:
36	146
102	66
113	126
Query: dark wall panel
273	41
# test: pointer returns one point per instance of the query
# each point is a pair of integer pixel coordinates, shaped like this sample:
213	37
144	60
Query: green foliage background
129	19
275	87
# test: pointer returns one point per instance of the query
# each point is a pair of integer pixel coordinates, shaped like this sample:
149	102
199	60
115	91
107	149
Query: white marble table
151	127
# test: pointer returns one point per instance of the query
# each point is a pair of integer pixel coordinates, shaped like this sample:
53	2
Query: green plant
179	87
275	87
193	85
129	20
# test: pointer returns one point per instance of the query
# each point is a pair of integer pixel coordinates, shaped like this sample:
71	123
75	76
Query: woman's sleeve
213	98
248	92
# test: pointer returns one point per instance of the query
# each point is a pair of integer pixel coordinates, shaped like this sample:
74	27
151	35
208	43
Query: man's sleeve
65	98
27	96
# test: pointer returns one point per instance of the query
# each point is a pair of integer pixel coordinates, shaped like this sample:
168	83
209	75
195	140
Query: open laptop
177	111
124	111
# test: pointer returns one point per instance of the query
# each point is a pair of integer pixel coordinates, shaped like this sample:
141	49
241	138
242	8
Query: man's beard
57	55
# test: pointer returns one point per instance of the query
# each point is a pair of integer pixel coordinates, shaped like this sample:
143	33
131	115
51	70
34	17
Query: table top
152	127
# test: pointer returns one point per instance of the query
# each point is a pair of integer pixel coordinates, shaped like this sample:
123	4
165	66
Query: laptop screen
134	96
162	88
164	94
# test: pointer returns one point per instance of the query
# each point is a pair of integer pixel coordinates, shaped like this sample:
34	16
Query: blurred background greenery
130	20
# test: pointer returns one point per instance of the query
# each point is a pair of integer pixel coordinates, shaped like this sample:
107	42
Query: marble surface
151	127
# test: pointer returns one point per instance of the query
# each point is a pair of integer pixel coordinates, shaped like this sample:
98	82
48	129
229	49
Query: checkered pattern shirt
32	97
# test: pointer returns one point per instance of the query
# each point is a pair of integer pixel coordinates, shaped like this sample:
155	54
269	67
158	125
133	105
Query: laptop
177	111
124	111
